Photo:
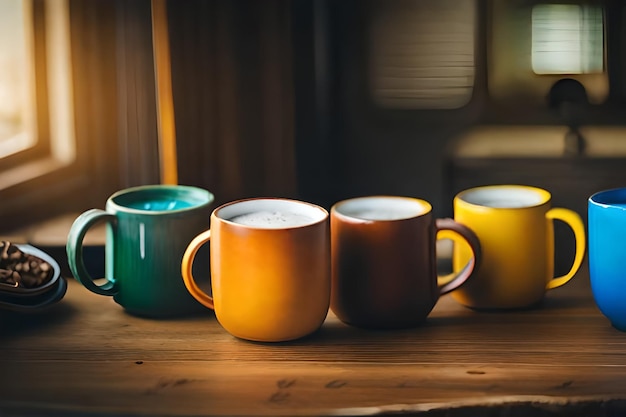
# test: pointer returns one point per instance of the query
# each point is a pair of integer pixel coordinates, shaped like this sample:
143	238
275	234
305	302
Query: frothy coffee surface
505	203
387	214
505	197
272	219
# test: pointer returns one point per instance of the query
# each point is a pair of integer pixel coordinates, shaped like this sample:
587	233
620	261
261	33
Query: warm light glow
567	39
165	100
59	82
17	110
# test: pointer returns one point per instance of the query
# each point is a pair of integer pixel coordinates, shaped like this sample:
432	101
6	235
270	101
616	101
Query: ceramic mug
147	231
384	268
270	268
607	253
514	224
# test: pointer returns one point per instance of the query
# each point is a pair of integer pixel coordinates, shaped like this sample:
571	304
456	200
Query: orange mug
270	268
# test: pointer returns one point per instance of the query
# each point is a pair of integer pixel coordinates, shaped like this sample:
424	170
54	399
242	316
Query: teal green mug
148	229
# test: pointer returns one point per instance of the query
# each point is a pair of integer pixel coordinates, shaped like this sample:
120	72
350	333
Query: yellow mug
514	224
270	268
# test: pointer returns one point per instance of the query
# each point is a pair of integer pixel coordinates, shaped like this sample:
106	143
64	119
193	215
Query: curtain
232	83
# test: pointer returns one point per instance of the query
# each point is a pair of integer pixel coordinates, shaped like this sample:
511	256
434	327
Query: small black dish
37	298
34	302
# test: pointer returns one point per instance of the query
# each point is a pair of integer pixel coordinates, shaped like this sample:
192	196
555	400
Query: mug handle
448	228
186	267
573	220
74	250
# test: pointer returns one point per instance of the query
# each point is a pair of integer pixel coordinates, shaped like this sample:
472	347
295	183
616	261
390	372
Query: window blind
567	39
422	53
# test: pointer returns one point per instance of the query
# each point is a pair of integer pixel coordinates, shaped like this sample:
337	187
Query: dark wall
351	147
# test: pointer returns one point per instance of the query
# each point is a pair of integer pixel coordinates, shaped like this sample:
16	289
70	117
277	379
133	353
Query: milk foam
505	203
272	219
504	197
387	214
382	208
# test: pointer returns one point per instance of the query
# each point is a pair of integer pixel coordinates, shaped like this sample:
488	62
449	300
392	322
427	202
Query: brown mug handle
458	278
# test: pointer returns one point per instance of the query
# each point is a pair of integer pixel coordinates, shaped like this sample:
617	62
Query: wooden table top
86	356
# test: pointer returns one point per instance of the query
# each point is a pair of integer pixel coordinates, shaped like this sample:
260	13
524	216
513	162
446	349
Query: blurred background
313	99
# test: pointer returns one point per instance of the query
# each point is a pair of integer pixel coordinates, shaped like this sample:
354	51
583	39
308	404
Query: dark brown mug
384	265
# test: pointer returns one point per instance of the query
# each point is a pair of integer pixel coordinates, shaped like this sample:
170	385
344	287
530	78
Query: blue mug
607	253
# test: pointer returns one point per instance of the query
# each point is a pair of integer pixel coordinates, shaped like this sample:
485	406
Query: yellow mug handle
186	269
573	220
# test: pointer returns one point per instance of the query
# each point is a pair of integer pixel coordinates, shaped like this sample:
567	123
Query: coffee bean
20	269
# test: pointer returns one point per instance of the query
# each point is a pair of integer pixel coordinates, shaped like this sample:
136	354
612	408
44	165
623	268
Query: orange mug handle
186	269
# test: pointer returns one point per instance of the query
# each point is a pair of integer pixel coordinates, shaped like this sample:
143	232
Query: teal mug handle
74	249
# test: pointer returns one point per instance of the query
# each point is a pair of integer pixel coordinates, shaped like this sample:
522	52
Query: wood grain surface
86	356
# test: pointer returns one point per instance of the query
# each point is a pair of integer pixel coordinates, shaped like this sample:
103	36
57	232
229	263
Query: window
93	107
422	54
534	43
17	124
567	39
52	160
35	137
